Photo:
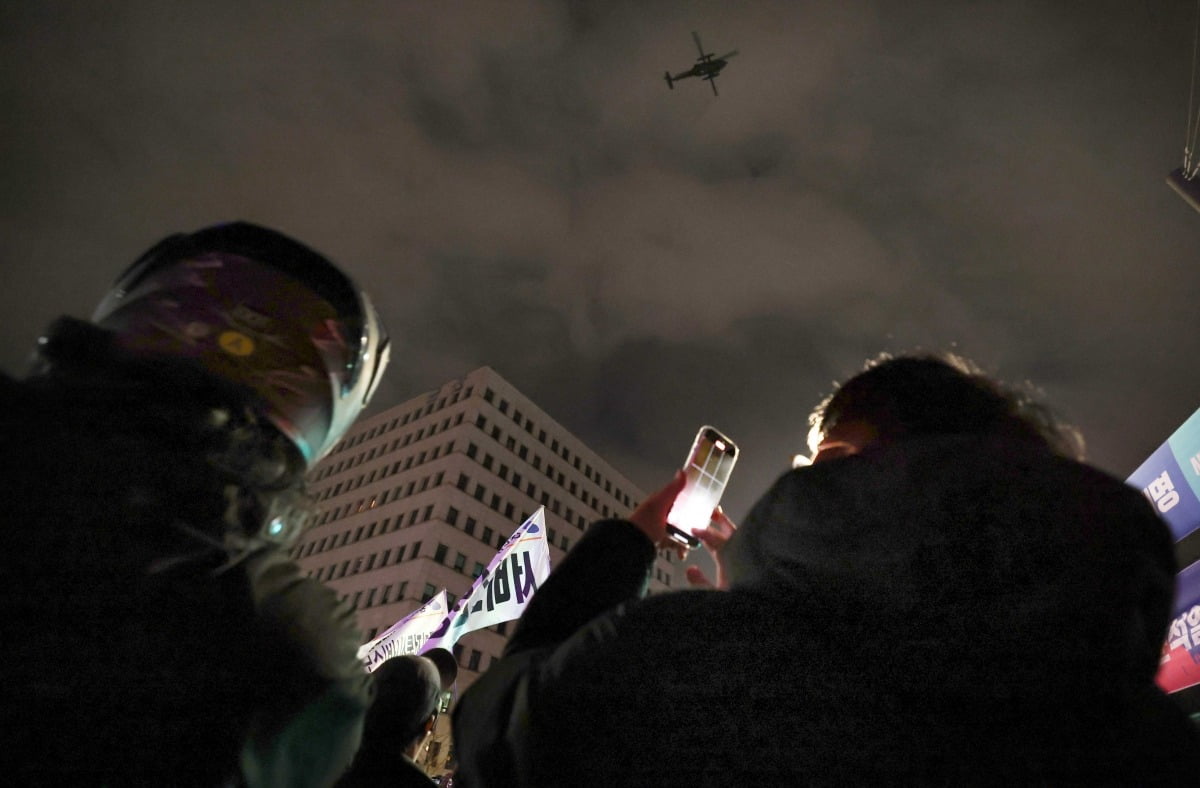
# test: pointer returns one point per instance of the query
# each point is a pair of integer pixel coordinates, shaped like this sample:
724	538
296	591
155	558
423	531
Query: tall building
420	497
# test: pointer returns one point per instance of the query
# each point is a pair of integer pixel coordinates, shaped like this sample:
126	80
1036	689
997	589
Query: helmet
259	309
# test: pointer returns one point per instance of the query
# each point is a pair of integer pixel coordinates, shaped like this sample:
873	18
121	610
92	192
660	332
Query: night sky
517	187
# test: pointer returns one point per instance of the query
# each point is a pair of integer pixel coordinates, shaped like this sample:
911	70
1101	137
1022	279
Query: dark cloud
517	187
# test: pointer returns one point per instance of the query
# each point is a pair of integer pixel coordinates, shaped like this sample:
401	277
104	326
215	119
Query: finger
696	577
710	538
651	514
722	522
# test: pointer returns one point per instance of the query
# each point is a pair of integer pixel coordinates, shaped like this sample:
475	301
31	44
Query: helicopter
707	67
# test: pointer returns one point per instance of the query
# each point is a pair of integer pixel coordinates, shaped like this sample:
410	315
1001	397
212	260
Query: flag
503	590
407	635
1170	480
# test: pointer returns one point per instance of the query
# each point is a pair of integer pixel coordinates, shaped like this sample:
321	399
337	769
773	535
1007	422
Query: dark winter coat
150	636
941	611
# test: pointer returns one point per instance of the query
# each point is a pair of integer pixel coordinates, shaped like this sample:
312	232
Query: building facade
420	497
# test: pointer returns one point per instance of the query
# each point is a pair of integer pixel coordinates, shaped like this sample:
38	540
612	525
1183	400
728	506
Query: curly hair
941	394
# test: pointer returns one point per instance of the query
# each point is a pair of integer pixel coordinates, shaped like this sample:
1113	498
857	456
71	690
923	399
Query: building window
415	550
478	570
469	526
439	554
487	535
473	662
428	593
452	516
472	450
460	562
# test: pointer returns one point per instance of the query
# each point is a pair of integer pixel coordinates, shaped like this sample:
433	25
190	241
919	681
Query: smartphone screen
707	470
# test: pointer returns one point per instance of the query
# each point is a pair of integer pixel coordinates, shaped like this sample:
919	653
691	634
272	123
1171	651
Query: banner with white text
503	590
1170	480
407	635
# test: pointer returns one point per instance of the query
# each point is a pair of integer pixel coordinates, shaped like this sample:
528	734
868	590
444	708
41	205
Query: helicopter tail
670	82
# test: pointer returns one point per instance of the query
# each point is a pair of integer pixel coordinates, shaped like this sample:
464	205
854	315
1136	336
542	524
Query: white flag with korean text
503	590
407	635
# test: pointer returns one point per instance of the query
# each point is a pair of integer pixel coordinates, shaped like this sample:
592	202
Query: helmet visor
252	323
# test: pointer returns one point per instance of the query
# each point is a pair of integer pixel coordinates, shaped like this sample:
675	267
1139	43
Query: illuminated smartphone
707	469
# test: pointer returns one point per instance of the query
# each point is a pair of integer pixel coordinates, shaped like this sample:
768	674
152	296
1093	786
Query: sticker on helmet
236	343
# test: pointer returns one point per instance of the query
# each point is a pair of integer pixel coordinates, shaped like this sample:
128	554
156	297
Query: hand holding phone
707	470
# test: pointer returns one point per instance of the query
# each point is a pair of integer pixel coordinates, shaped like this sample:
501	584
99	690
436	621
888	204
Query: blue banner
1170	480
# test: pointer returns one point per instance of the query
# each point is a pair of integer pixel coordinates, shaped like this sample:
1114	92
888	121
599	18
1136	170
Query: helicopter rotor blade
698	44
727	56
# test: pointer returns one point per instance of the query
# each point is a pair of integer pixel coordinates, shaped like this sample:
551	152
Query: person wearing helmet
156	630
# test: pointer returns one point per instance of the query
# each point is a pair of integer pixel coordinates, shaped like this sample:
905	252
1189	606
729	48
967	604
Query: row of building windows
401	464
376	528
365	563
547	469
554	475
374	597
563	451
431	404
379	499
499	505
379	451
